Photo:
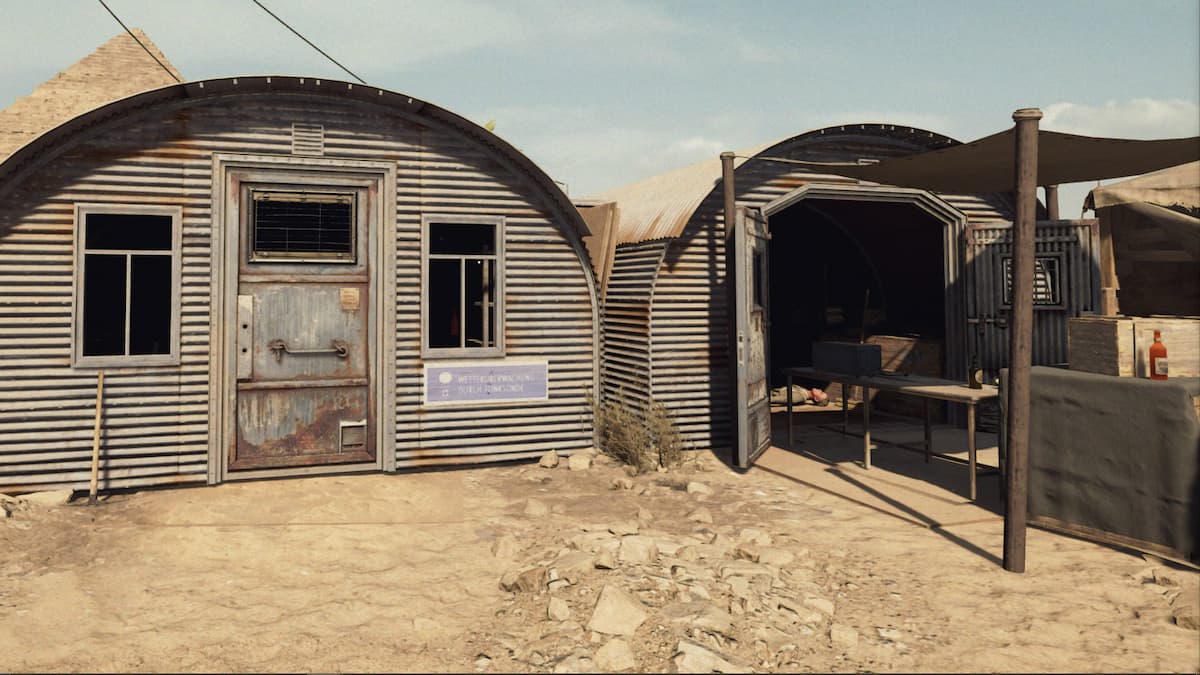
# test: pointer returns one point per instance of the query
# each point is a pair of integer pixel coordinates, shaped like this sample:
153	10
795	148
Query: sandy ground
401	573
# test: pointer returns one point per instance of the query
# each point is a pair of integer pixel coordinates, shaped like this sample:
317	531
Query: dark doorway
850	270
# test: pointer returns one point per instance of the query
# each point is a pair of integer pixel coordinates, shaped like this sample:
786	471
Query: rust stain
314	443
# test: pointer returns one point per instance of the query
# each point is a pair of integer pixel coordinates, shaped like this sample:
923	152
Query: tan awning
986	165
1177	186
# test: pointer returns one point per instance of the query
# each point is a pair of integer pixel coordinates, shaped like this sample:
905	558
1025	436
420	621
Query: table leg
928	434
845	409
971	445
866	403
789	410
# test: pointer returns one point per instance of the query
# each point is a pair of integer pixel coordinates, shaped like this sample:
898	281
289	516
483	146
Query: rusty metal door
1066	285
753	413
304	391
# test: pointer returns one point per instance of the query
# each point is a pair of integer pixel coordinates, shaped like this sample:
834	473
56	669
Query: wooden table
928	388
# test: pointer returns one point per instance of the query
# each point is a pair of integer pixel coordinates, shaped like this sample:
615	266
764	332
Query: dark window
1047	281
302	225
127	284
462	288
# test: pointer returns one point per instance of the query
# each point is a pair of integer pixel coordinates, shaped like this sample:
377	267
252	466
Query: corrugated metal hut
827	258
283	276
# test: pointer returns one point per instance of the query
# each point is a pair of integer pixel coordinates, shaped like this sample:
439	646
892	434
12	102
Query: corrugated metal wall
987	246
689	325
627	345
156	419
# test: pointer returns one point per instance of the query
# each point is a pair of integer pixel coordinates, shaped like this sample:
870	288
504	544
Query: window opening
462	287
1047	281
127	284
298	226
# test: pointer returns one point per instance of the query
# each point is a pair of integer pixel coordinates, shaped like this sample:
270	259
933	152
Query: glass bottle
1158	358
975	373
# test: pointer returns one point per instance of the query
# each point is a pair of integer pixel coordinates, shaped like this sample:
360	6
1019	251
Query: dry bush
636	433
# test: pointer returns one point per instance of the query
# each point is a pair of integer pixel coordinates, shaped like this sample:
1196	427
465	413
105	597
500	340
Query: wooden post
1109	306
729	194
1051	202
93	488
1020	328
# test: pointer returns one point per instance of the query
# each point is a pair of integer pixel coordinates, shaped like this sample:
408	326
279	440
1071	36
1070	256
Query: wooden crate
1181	337
1119	345
1101	344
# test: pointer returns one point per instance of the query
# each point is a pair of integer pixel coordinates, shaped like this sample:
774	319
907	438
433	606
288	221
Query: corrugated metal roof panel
659	207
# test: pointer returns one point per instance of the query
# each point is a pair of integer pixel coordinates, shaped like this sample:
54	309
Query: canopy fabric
986	165
1183	229
1178	186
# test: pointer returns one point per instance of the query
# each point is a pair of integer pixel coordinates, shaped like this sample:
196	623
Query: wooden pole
1108	265
730	208
1020	338
95	484
1052	202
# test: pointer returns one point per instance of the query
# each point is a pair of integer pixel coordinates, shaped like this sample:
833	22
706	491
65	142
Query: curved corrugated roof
660	207
40	149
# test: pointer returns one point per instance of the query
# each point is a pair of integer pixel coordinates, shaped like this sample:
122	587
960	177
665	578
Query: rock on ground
637	549
549	460
617	612
1186	610
691	657
606	560
615	656
49	498
525	581
699	489
558	610
580	461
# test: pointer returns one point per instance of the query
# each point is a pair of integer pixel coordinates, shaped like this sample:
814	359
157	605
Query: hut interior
857	270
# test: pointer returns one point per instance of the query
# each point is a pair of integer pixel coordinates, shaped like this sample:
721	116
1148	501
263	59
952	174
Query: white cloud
697	145
1132	118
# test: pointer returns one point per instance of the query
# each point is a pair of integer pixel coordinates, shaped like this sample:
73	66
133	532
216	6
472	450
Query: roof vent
308	139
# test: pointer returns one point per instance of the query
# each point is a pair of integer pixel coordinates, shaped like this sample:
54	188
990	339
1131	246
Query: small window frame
1055	277
253	255
498	348
172	358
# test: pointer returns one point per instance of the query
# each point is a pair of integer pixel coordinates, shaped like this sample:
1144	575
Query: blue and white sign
485	382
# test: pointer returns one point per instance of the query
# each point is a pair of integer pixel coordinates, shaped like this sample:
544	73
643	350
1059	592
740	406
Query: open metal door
753	413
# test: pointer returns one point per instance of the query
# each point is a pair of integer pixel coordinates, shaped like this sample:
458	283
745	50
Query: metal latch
338	348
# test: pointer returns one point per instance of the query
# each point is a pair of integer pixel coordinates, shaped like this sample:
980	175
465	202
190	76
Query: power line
135	39
307	41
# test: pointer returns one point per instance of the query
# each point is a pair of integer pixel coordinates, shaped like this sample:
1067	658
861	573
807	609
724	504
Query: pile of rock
708	600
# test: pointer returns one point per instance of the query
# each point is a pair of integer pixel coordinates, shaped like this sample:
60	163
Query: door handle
338	348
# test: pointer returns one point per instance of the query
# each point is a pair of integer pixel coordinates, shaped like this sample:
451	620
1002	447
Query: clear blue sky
602	93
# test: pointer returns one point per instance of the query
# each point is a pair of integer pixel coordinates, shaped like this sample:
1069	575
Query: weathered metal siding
156	427
155	422
689	318
626	363
548	315
987	244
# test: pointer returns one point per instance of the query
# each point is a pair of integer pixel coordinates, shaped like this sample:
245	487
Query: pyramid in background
118	68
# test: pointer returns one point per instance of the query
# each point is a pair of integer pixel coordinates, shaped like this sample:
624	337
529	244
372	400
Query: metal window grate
308	139
297	226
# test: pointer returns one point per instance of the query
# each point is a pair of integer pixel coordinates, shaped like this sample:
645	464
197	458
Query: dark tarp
986	165
1116	454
